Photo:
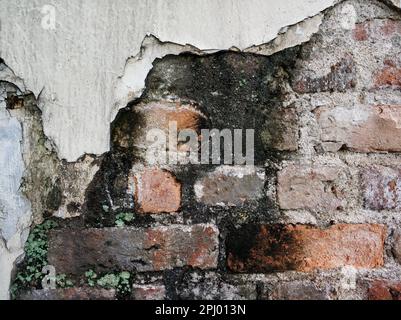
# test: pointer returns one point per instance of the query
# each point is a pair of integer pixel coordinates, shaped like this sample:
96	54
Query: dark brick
153	249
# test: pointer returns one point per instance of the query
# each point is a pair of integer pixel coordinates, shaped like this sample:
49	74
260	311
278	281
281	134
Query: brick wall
317	217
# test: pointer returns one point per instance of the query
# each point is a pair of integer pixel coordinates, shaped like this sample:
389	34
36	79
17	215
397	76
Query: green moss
62	281
120	281
30	271
123	218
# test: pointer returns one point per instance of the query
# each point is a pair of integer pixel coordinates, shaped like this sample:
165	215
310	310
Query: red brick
384	290
157	191
268	248
148	292
381	188
142	250
361	128
310	187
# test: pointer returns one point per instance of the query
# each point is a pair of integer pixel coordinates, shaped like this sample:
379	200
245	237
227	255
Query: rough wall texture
316	217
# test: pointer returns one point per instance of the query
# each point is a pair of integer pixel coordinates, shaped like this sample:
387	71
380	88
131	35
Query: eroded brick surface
231	186
148	292
362	128
152	249
267	248
376	29
384	290
397	245
342	76
281	131
298	290
310	187
381	187
157	191
160	115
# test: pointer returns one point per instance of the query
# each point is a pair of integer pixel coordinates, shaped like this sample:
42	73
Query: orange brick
267	248
157	191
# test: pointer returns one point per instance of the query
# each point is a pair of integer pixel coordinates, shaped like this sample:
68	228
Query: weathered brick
155	115
151	249
376	29
148	292
381	187
281	131
397	245
389	76
341	77
384	290
360	33
310	187
216	188
157	191
70	294
362	128
298	290
196	285
268	248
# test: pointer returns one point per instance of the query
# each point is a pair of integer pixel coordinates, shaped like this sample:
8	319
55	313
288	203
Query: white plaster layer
15	209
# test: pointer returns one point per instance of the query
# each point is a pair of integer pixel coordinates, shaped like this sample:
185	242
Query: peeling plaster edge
152	43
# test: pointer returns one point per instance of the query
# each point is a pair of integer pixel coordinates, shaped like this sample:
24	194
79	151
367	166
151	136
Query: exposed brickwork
310	187
317	217
384	290
382	187
157	191
153	249
362	128
268	248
